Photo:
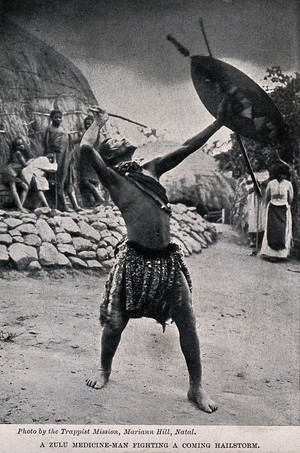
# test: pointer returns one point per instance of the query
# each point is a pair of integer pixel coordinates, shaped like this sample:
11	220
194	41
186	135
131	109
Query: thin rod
183	50
126	119
256	186
205	37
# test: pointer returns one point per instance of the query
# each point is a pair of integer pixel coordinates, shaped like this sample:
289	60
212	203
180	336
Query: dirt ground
248	318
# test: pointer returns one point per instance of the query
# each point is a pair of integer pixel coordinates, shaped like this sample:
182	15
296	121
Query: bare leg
186	324
24	194
19	201
111	337
42	198
63	202
90	187
73	200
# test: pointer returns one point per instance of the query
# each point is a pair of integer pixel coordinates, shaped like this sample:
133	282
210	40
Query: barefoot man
149	277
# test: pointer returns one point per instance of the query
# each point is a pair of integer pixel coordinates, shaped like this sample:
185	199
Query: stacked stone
190	230
50	238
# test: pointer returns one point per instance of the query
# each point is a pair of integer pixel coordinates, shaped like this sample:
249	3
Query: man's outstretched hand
224	111
91	135
234	105
100	115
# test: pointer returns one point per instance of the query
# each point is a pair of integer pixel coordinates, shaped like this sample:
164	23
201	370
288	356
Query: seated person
18	160
35	175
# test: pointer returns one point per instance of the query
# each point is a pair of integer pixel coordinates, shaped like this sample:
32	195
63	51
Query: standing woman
278	232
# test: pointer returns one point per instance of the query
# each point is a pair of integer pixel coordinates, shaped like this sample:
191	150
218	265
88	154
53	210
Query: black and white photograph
149	226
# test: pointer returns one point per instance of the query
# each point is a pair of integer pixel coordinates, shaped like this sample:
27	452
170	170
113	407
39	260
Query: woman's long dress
278	231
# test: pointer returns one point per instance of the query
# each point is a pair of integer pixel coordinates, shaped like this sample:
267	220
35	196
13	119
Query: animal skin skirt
141	281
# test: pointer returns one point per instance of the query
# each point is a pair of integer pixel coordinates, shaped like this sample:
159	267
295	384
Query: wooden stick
256	186
183	50
84	113
91	109
204	36
126	119
41	113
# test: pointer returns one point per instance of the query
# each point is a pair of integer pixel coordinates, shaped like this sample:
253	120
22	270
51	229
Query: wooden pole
110	114
205	37
256	186
126	119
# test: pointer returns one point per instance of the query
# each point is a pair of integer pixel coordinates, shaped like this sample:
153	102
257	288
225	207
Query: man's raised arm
171	160
88	142
163	164
91	135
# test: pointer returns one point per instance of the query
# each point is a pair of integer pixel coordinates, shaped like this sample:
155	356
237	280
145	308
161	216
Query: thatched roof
35	78
196	181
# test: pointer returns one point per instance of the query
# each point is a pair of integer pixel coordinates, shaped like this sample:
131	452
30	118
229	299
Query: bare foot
98	381
78	208
203	401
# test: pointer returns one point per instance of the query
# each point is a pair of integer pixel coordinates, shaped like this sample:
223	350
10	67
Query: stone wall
49	238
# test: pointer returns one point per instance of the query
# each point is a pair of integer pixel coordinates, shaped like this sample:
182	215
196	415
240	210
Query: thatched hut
34	79
196	181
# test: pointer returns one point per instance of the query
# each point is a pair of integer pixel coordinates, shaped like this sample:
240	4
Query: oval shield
254	114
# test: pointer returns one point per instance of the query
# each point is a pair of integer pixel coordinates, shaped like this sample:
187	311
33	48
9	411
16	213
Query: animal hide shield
254	116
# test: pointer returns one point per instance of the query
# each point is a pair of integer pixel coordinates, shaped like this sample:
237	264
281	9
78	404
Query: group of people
149	277
23	172
57	165
269	213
